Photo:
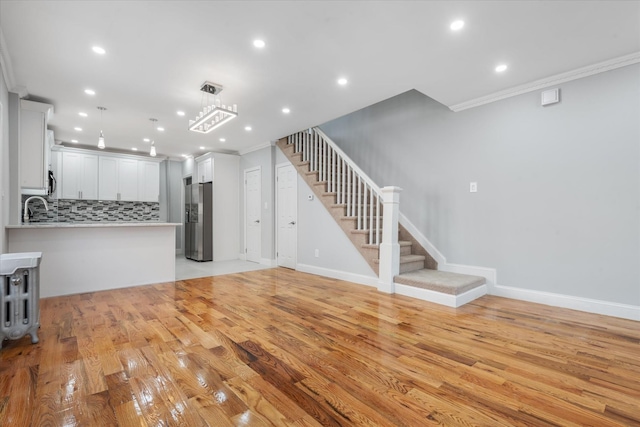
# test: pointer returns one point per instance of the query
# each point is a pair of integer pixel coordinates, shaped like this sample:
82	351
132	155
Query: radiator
20	304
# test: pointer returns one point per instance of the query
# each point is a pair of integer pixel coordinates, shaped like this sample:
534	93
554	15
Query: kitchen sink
9	263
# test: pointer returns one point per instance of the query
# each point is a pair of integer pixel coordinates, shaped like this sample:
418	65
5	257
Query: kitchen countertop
36	225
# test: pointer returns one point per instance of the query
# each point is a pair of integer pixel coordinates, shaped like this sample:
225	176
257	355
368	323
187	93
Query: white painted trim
7	68
489	274
255	148
337	274
448	300
268	262
606	308
579	73
242	257
413	230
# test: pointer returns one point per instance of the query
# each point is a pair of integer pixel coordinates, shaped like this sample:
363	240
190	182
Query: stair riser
405	250
411	266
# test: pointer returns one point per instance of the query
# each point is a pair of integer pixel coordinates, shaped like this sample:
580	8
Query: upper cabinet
148	181
35	147
79	177
205	170
117	179
87	174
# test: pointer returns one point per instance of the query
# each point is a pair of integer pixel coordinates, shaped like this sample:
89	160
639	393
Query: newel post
389	266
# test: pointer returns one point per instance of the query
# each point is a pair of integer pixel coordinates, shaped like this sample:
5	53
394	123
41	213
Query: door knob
292	223
257	221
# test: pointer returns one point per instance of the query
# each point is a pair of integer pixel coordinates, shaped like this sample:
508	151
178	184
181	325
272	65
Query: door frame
246	171
277	207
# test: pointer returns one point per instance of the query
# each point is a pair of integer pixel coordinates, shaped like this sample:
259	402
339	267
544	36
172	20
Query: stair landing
440	281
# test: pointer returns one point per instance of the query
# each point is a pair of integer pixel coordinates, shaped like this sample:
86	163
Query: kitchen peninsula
87	257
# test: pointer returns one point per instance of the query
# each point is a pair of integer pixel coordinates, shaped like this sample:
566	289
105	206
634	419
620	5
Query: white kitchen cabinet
148	181
117	178
78	176
205	170
34	147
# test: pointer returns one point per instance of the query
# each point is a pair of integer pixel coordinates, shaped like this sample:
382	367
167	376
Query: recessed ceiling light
203	148
81	114
500	68
180	113
223	139
247	128
259	43
286	110
160	128
342	81
78	129
90	91
184	155
146	139
457	25
75	141
99	50
134	149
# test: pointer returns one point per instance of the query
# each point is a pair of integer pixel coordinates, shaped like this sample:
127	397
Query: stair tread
440	281
401	243
407	258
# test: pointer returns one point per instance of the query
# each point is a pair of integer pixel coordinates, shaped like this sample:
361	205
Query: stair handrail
350	162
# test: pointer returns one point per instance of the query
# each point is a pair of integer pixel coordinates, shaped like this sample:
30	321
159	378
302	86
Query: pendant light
101	137
152	152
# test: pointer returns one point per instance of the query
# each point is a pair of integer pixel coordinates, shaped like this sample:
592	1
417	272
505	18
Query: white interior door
252	213
287	190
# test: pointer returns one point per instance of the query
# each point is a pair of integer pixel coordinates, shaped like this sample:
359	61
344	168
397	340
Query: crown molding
7	69
255	148
579	73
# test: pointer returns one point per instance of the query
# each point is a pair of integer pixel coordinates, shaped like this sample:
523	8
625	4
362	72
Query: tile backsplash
92	211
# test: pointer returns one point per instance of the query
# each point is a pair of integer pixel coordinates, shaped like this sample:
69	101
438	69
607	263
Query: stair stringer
357	237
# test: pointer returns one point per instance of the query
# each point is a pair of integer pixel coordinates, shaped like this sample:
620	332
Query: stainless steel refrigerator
198	244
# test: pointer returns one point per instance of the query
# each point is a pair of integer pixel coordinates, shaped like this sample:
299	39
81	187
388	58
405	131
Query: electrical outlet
473	187
317	253
74	208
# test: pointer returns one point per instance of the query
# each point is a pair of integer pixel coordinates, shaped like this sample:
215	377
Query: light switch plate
473	187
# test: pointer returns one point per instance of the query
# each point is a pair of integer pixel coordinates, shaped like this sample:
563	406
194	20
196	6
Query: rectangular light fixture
211	117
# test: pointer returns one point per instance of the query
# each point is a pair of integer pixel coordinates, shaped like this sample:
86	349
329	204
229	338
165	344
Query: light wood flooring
277	347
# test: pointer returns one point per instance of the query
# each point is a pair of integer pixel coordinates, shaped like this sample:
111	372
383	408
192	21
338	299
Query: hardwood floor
277	347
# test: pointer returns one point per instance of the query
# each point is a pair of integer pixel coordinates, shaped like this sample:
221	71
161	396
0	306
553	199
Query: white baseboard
337	274
489	274
448	300
242	257
607	308
268	262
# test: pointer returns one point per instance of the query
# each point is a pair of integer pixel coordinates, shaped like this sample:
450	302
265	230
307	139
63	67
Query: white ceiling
160	52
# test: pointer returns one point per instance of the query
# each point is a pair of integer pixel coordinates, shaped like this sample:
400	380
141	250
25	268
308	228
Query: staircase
356	204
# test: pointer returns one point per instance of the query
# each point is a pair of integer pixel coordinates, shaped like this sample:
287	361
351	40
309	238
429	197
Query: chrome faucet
25	216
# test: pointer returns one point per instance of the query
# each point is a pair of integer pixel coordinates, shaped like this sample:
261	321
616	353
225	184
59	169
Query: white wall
558	202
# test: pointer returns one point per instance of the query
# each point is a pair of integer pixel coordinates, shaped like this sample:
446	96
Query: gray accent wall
558	202
4	160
